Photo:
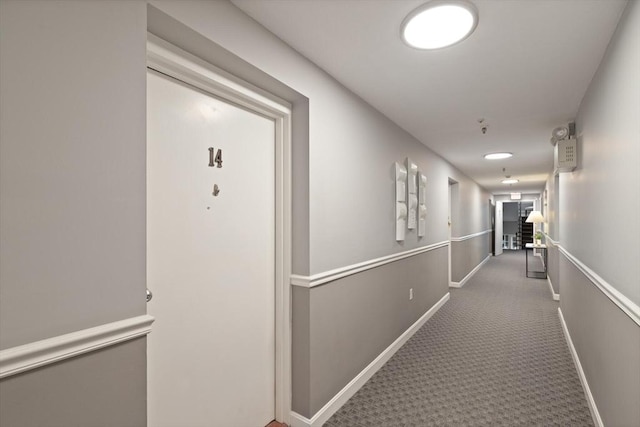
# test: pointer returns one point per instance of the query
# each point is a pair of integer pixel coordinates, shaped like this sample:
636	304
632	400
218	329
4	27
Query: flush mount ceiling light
509	181
439	24
497	156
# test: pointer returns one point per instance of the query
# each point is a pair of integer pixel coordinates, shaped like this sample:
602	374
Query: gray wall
597	223
72	204
511	217
553	266
470	206
72	165
600	201
107	387
509	227
353	319
552	230
467	254
551	211
608	345
469	215
510	212
301	351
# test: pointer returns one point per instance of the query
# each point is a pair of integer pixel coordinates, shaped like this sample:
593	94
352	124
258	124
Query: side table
534	274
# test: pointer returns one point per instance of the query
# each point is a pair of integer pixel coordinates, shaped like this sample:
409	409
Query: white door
498	219
210	259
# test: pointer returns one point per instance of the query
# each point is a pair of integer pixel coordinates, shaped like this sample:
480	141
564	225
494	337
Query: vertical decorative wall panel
412	196
401	201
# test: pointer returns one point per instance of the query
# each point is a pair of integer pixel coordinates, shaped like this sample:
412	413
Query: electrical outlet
410	294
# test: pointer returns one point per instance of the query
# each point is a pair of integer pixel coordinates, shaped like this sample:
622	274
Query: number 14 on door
215	157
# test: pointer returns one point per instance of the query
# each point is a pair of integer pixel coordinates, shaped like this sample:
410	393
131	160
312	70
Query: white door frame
175	62
499	219
450	213
449	230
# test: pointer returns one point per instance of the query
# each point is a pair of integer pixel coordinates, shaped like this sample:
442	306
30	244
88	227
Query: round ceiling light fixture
509	181
498	156
439	24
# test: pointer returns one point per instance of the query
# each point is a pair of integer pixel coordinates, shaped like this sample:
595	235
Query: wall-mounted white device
565	155
565	148
422	204
412	196
401	201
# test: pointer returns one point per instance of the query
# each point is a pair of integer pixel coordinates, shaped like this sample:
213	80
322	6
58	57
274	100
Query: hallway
495	354
384	199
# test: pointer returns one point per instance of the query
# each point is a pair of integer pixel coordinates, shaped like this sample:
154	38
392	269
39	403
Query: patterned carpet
494	355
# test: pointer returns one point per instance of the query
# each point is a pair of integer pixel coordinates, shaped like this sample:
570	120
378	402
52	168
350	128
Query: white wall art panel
412	197
401	201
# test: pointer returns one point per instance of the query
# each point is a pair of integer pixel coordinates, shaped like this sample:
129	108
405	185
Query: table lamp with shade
535	217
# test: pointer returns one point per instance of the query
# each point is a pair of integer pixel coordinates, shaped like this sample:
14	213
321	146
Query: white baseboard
40	353
583	379
470	275
350	389
556	297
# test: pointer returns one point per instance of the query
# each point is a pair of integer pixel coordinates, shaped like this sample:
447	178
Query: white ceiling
524	70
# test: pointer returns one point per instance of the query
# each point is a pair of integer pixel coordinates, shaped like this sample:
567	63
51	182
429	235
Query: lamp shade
535	217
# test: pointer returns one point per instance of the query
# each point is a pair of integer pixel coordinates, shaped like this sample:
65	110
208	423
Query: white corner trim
33	355
350	389
626	305
338	273
583	379
470	274
550	240
298	420
168	59
556	297
470	236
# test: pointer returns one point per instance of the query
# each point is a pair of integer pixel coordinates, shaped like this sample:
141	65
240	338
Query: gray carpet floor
493	355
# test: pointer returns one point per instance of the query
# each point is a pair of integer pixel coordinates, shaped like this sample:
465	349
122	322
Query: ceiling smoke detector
483	125
508	179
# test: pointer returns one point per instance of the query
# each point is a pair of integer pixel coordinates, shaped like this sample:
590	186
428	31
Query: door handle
149	295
